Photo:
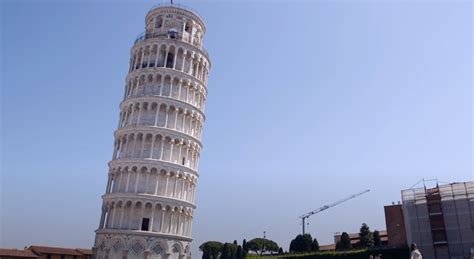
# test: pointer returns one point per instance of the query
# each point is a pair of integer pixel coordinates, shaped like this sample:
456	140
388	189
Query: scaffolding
440	219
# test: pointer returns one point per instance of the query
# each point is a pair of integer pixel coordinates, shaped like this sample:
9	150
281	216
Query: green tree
239	253
261	245
280	251
226	253
233	249
344	243
301	244
365	236
244	246
292	246
212	248
377	239
207	254
315	245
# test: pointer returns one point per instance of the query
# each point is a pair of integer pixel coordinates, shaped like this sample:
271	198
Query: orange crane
325	207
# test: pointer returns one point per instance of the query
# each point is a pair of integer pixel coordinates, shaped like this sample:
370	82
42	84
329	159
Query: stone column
106	253
125	254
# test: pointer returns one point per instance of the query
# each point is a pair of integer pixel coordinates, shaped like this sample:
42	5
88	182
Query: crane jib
325	207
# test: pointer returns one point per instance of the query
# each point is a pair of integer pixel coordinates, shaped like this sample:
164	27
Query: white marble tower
149	201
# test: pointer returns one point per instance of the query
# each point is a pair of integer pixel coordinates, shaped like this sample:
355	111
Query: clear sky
309	102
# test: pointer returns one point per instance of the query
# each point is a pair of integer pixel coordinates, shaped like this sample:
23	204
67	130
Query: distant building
440	220
16	253
86	253
395	223
46	252
326	248
355	239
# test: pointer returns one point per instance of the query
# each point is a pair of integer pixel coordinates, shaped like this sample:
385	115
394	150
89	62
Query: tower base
117	246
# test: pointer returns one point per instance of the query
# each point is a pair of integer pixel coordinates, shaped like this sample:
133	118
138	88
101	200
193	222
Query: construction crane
325	207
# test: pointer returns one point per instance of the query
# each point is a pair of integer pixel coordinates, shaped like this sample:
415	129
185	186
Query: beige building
355	239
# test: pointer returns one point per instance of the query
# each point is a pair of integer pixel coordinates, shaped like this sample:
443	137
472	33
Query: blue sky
309	102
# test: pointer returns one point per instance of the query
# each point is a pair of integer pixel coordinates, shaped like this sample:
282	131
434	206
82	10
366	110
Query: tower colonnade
168	55
152	113
150	196
126	214
174	184
156	147
176	86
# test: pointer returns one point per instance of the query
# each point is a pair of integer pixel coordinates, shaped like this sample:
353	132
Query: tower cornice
176	9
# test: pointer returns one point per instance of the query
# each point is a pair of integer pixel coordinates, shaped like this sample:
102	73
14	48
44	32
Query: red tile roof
54	250
17	253
84	251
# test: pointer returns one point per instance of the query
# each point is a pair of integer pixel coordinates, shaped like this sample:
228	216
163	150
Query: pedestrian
415	253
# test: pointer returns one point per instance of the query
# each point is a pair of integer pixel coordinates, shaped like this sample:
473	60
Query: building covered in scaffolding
440	220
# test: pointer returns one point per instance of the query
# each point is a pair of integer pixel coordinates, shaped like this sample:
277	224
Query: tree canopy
239	253
377	239
315	245
261	245
344	243
365	236
211	249
218	250
280	251
302	244
226	252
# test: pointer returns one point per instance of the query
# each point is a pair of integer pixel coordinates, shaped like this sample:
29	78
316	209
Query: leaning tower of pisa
149	200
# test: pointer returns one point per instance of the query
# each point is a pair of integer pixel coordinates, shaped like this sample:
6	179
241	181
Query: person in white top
415	253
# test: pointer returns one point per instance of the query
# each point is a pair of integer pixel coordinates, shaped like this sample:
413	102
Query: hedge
386	253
